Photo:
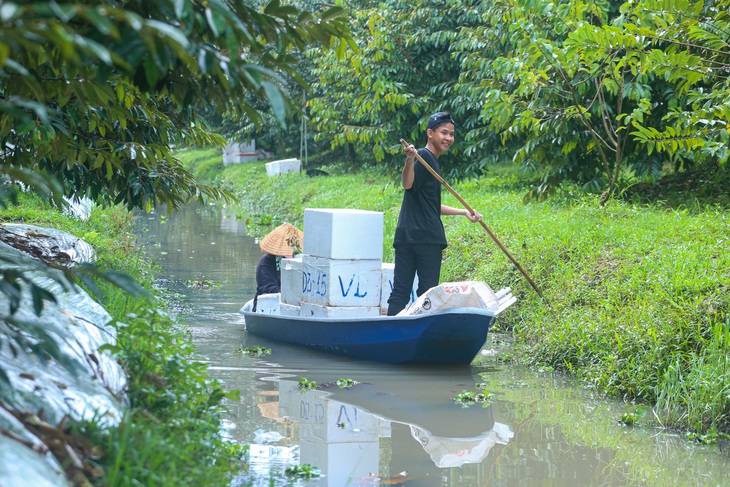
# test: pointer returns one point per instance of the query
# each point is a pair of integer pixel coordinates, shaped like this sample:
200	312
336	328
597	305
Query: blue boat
449	336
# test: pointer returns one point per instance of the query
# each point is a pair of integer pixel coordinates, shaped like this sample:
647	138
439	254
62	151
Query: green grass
635	292
208	162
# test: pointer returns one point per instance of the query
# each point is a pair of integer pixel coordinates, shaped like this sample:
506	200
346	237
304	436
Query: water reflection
337	433
399	426
391	426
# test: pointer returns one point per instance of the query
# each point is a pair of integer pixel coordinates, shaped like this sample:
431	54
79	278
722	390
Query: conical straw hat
282	240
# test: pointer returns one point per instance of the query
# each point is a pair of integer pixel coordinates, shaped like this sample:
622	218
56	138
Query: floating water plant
306	385
711	437
632	415
201	283
467	398
255	351
346	383
303	471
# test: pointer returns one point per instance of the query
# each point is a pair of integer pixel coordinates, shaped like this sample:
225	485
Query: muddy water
398	425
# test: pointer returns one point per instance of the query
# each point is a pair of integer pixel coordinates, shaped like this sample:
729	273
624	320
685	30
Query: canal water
397	425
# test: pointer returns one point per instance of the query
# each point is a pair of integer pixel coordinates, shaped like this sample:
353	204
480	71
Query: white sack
464	294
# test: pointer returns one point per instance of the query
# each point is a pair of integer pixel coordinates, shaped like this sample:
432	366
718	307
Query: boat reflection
395	426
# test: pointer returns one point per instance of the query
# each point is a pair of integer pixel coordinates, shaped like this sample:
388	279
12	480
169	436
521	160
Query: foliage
387	89
94	93
271	135
689	391
544	93
690	50
582	90
202	284
711	437
633	415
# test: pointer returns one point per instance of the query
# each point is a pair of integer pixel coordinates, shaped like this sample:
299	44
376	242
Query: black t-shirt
268	275
420	214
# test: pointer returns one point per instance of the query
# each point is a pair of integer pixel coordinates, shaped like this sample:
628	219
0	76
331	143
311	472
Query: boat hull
452	336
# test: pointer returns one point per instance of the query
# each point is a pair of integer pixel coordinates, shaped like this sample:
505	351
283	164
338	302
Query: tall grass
634	294
689	390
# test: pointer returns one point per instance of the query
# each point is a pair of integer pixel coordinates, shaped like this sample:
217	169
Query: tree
584	90
690	49
94	93
397	78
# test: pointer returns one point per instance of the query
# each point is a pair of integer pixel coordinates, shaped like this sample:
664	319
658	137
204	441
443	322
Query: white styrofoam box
386	287
283	166
310	310
268	304
291	280
339	438
340	282
343	462
236	152
322	419
288	309
504	303
343	233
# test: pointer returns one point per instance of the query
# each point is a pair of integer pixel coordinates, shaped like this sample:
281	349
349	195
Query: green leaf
168	31
216	21
333	12
96	49
102	23
272	7
118	279
39	295
182	8
276	98
151	72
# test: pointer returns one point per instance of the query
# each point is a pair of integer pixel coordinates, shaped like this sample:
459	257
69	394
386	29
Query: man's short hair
438	119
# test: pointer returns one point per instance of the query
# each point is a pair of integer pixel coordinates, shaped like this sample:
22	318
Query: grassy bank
635	295
170	434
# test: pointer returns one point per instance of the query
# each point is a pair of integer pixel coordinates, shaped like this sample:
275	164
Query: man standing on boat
419	236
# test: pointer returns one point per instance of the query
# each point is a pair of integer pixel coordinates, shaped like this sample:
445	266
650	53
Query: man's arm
450	210
408	174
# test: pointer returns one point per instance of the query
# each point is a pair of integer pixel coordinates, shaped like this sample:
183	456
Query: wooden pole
471	210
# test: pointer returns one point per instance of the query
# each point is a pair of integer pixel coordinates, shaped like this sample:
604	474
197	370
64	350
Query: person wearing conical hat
284	241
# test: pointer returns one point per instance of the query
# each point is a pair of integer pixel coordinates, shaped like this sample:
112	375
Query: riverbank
170	431
635	296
